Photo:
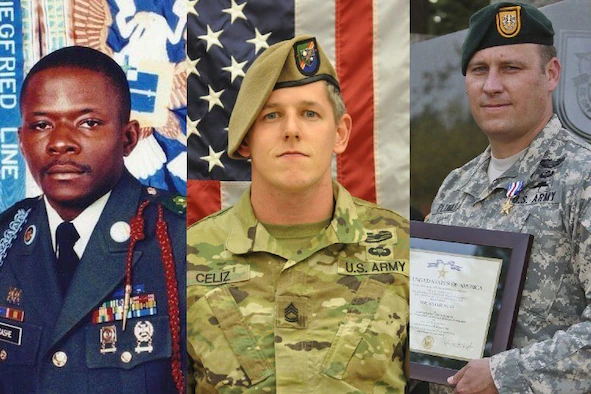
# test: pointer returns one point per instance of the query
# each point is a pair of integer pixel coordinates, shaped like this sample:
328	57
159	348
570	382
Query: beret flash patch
509	21
306	56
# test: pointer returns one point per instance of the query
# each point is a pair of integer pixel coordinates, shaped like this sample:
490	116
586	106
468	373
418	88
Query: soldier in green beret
533	178
299	287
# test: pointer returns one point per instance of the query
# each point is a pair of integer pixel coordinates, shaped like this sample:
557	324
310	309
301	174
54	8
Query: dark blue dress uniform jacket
54	323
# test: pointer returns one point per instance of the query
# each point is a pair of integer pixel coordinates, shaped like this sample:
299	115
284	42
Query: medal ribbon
514	188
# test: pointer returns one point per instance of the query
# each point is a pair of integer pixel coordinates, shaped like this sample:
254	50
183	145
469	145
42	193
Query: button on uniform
126	357
59	359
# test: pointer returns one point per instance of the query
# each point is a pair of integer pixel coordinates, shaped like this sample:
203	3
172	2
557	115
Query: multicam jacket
552	342
330	318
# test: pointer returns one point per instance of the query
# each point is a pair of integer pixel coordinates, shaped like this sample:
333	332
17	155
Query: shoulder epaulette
173	202
211	216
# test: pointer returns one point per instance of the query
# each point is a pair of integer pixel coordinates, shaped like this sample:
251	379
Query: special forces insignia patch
509	21
306	56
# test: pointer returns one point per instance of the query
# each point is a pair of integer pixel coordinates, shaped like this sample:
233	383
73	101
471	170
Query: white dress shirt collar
84	223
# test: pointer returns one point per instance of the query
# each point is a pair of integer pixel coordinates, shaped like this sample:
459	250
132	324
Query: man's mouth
65	170
292	153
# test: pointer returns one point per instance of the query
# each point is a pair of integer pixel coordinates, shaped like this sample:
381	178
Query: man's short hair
547	53
336	99
87	59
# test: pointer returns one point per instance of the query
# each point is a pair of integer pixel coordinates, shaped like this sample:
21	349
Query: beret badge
509	21
306	56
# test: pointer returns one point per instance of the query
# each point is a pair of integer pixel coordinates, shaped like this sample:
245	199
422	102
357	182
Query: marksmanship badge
143	331
108	339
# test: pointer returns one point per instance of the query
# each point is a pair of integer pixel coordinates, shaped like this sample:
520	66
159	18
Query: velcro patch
357	267
379	236
538	197
236	273
11	334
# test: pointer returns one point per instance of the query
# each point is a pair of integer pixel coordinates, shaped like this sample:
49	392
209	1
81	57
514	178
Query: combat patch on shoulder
358	267
375	237
234	273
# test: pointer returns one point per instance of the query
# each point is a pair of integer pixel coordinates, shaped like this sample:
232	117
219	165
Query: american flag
367	41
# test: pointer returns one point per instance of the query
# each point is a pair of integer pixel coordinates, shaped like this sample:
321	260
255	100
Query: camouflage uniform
552	343
328	318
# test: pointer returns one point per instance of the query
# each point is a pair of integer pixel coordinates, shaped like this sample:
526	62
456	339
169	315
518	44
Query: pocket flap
360	313
241	341
145	339
19	343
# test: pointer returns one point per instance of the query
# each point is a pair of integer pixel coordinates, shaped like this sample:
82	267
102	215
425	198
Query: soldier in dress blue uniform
99	308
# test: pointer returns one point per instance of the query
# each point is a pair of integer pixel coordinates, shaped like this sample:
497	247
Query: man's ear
131	134
344	126
244	149
553	68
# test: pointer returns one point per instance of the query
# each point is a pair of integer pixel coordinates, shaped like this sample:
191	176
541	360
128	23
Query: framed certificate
465	290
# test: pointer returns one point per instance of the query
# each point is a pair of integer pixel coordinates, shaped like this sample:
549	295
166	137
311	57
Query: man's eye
271	116
310	114
41	126
90	123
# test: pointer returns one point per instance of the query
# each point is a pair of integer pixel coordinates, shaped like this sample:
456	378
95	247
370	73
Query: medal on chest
512	191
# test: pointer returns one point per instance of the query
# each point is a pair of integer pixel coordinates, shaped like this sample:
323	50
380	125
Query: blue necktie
67	261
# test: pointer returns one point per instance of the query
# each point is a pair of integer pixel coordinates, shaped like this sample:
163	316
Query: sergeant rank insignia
292	314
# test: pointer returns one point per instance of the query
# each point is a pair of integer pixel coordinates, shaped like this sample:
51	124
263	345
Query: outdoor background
444	135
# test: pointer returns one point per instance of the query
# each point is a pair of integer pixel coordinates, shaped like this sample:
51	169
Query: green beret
285	64
505	23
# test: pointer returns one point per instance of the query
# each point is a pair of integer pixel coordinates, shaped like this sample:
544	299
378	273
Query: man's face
73	136
292	140
510	92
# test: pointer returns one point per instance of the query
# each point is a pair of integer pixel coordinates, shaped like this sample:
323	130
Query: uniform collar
84	222
522	170
247	234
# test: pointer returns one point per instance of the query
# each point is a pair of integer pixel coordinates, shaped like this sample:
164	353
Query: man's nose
62	140
493	83
291	127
